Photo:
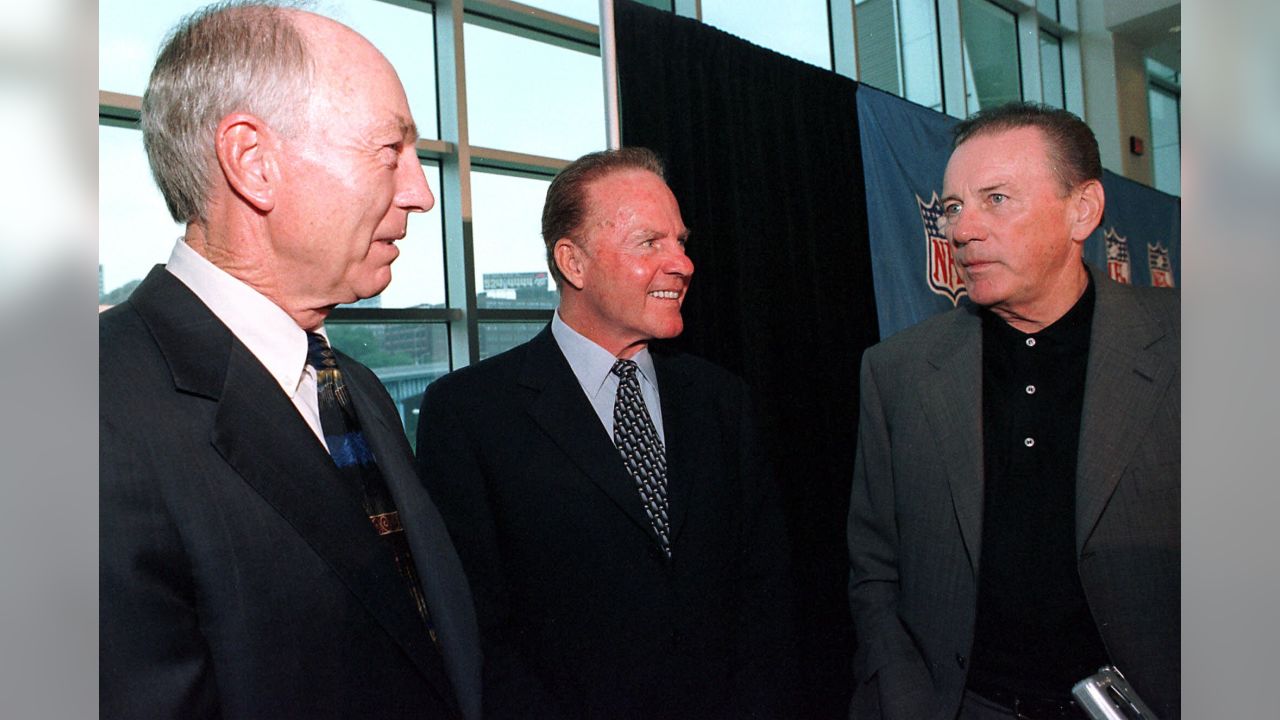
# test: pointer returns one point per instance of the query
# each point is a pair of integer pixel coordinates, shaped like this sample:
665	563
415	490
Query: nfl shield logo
1117	256
1161	268
940	265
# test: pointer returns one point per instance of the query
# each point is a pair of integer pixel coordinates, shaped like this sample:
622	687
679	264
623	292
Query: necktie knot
319	355
329	386
625	369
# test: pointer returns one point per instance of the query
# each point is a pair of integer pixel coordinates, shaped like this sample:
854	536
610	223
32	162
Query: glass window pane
1157	69
407	38
1051	70
129	37
1166	141
130	33
496	337
135	231
1048	8
992	75
511	260
417	275
918	23
878	59
406	357
799	30
532	97
898	48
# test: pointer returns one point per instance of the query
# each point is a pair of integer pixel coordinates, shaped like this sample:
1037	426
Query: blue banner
904	154
905	148
1140	238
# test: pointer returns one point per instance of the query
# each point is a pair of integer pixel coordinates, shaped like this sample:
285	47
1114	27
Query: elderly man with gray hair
266	547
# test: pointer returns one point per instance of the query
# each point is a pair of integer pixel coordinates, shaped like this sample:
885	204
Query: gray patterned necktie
641	449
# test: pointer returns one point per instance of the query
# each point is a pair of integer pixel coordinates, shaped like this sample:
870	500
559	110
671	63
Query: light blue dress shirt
593	366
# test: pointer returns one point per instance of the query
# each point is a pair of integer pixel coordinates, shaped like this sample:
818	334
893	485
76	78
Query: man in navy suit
256	560
623	537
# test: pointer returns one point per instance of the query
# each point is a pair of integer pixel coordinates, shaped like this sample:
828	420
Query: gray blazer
915	517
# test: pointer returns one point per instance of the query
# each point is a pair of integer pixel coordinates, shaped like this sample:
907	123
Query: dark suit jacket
239	575
915	521
580	613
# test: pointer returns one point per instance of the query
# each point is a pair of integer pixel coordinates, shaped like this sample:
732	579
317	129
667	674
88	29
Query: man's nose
413	194
964	228
678	263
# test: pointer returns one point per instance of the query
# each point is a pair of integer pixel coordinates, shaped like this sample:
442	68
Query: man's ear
569	259
247	154
1086	209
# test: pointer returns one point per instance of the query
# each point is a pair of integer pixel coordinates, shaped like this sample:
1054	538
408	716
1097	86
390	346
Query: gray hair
227	57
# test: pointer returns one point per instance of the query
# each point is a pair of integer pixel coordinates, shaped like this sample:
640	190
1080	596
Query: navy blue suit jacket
581	614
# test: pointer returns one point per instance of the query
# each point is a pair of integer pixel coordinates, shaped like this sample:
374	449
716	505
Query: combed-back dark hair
1073	150
565	208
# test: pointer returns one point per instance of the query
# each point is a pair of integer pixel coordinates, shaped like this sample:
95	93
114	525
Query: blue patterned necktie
641	449
357	465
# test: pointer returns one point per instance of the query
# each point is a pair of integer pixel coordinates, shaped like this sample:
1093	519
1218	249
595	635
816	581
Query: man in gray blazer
1014	520
266	547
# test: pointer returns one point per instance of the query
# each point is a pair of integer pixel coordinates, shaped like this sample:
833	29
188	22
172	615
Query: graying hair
1072	147
227	57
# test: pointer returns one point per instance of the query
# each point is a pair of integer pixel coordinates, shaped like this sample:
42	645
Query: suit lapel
444	583
254	426
561	409
680	422
1126	378
260	434
952	401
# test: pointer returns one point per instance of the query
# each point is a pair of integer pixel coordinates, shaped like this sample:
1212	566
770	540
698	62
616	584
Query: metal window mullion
899	49
510	315
1072	61
530	21
1069	16
1027	26
455	183
519	163
609	75
951	48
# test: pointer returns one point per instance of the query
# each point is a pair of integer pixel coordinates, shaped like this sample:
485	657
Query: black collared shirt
1034	635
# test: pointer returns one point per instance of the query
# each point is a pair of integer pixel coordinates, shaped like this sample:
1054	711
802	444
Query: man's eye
997	198
951	209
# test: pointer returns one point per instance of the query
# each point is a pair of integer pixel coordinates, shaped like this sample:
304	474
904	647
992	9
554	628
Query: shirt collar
262	326
592	364
1070	330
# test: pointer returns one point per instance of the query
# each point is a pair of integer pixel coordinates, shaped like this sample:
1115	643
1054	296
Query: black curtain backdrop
763	154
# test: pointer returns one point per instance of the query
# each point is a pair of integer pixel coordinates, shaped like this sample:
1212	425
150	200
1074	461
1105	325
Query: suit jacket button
960	660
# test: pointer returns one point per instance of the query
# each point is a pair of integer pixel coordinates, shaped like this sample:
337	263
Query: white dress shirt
258	323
